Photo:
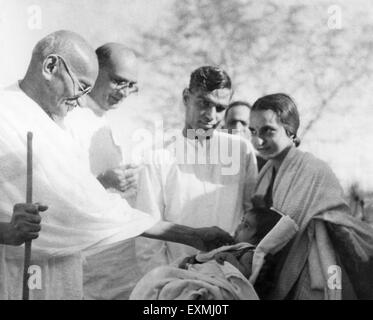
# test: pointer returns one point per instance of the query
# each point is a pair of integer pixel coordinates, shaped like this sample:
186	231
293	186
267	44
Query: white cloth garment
178	185
307	190
209	279
81	214
112	272
206	281
94	135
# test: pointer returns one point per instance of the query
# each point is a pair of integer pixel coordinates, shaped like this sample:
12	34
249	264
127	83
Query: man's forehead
218	96
87	76
240	111
123	67
85	68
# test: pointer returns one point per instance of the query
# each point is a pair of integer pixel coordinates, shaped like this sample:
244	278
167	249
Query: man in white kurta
81	214
203	176
90	127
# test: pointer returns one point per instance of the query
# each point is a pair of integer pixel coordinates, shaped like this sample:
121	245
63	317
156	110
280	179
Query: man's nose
126	91
210	114
123	91
238	126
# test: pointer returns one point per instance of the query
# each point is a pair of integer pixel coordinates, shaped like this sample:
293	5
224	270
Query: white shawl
81	213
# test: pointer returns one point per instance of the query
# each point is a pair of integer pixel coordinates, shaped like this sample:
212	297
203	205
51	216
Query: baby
228	272
253	228
239	256
242	258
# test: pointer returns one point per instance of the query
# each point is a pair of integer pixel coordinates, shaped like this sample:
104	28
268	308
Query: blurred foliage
264	46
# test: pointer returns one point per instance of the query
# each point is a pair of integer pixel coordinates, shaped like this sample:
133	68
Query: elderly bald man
81	215
89	126
117	79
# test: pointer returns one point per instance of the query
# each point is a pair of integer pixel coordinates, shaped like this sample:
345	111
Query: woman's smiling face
268	134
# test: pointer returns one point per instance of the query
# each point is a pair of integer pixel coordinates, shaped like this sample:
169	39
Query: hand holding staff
25	292
27	220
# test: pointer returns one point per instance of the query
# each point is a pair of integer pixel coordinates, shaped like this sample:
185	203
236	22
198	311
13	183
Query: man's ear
186	96
50	66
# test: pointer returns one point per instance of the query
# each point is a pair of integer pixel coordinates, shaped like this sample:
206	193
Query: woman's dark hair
286	110
209	78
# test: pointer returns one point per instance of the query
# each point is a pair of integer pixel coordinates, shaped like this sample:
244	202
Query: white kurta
81	214
113	272
176	186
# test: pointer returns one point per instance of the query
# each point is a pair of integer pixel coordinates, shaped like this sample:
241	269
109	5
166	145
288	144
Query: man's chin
207	127
113	103
112	106
63	110
68	105
205	132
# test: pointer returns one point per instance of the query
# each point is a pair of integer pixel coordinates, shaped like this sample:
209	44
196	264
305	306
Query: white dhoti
112	273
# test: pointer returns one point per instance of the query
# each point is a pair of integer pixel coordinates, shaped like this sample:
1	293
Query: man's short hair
237	104
209	78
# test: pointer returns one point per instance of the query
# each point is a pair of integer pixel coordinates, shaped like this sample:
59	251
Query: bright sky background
100	21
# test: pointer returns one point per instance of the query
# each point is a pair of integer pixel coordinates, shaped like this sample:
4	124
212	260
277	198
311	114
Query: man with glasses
117	79
82	216
80	89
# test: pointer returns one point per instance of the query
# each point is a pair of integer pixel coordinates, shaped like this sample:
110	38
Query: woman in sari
331	255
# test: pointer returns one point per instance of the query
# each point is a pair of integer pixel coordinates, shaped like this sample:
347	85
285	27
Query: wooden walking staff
25	291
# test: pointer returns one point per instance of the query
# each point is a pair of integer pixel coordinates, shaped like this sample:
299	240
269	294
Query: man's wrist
168	231
192	237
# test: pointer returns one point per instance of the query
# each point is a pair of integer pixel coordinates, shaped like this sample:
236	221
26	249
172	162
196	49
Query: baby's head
246	230
256	224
